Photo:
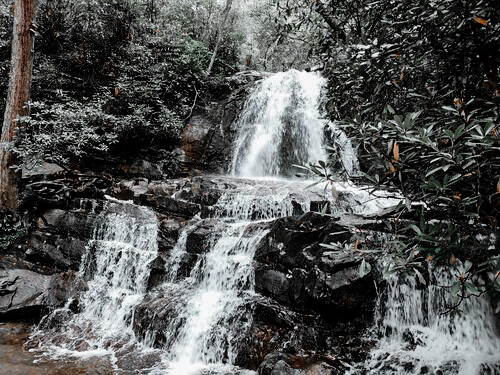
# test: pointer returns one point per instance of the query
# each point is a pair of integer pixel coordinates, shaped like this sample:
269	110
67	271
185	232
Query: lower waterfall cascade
207	310
414	336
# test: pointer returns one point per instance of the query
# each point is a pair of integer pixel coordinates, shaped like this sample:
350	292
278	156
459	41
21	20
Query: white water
344	149
417	338
280	125
116	265
213	320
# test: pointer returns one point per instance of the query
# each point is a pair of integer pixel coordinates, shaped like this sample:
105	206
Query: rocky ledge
309	309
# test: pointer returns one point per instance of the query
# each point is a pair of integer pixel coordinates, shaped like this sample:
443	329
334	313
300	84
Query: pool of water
16	360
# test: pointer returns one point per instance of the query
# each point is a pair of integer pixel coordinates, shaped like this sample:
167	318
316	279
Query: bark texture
225	14
18	95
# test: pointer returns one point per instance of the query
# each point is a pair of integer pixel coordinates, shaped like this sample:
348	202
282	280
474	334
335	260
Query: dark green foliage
10	230
117	77
416	85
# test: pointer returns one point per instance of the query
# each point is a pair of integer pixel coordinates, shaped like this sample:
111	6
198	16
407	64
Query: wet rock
344	289
290	236
170	206
135	361
142	167
186	265
276	364
272	282
25	295
153	318
157	273
168	187
412	338
199	240
295	270
315	301
77	224
130	189
280	363
58	252
168	234
207	140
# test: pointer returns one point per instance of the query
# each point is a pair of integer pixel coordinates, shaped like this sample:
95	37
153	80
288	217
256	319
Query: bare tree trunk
18	95
222	22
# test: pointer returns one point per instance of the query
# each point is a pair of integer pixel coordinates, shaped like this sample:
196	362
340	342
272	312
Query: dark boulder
314	301
295	270
170	206
59	252
27	295
207	140
200	238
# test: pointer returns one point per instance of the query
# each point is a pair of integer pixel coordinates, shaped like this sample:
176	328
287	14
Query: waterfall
205	309
413	336
211	316
116	266
344	149
280	125
213	319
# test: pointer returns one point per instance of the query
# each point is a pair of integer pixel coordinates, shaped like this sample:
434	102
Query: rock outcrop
207	140
309	309
26	295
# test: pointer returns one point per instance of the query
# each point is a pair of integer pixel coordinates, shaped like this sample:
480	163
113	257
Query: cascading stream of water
280	126
208	306
116	265
212	315
417	338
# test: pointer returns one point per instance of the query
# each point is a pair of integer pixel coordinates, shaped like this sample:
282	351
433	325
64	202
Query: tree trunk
18	95
225	14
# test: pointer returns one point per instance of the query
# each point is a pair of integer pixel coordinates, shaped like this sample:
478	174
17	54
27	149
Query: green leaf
416	229
364	268
449	109
432	171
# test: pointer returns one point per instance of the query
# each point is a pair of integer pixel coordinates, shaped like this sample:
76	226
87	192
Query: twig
463	295
194	103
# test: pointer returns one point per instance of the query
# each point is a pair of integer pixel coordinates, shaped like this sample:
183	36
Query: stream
207	310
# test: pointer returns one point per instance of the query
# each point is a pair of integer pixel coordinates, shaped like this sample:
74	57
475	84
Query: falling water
417	338
213	319
280	126
344	149
210	319
116	266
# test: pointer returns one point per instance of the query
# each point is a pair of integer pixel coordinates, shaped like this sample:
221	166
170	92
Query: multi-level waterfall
207	311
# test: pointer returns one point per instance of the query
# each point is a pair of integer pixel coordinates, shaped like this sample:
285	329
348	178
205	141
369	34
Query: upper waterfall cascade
280	125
